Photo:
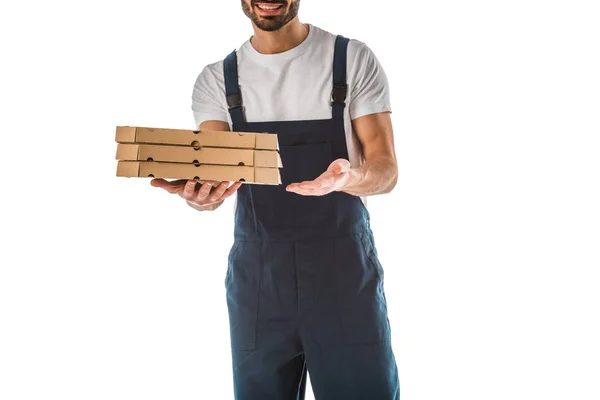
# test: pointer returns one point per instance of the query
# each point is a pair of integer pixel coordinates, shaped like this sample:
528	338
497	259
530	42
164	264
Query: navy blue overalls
304	284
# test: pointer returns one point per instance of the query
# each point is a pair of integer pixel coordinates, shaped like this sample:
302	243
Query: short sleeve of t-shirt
369	89
208	98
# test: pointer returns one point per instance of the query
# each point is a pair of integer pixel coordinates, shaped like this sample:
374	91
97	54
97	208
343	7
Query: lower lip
269	12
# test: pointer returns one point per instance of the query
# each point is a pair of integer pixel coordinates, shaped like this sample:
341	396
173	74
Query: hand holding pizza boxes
201	155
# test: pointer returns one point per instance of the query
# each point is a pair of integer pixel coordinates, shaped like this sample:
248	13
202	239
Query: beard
271	23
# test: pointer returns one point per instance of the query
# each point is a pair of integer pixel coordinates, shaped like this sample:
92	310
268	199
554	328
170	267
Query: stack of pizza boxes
202	155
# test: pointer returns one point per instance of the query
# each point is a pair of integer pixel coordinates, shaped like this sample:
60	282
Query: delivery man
304	285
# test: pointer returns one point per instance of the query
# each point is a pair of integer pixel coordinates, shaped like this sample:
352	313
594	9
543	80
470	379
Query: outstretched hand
196	193
335	178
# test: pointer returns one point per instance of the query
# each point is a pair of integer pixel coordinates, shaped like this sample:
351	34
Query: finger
171	187
218	191
309	192
319	187
303	184
345	166
317	184
324	180
339	166
292	187
189	190
201	195
300	186
231	190
159	182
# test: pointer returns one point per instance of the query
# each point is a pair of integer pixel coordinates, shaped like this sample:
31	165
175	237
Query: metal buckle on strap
234	100
338	93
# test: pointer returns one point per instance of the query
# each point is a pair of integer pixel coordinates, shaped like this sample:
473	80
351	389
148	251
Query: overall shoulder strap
232	89
340	86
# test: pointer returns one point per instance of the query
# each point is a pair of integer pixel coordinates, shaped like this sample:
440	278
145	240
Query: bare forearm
372	177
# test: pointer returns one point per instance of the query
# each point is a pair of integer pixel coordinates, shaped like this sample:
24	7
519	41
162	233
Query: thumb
339	166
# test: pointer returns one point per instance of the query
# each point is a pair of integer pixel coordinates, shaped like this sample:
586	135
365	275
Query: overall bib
304	284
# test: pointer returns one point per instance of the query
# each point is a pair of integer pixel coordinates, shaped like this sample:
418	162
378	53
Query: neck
284	39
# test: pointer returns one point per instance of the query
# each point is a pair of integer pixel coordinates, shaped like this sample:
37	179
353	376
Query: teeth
269	8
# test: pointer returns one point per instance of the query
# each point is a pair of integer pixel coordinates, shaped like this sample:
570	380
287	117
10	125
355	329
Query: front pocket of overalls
277	208
362	304
242	286
304	163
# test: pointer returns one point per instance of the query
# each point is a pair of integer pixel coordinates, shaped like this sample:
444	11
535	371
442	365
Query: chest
295	90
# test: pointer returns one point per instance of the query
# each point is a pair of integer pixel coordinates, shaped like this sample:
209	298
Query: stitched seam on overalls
367	247
260	273
253	209
297	280
230	258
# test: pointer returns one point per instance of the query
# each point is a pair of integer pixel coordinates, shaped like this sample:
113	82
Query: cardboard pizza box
202	155
242	140
203	172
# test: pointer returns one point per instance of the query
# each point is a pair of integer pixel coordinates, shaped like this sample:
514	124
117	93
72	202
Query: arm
377	175
369	109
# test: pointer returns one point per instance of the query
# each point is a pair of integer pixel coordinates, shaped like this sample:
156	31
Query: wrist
351	178
208	207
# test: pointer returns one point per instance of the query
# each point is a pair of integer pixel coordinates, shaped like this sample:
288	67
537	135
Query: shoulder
362	61
211	74
214	72
357	49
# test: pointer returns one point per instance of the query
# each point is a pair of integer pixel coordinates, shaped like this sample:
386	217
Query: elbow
390	187
393	181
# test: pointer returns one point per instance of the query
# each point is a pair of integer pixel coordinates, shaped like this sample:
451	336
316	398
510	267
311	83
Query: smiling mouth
269	8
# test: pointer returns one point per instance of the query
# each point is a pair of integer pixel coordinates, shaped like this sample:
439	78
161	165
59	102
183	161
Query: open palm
329	181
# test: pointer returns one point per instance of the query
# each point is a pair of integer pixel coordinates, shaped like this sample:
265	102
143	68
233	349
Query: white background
112	289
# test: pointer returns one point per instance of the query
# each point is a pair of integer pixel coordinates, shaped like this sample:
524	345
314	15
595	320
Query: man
304	285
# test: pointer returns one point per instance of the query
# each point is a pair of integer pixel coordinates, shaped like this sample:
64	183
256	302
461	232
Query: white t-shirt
296	85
